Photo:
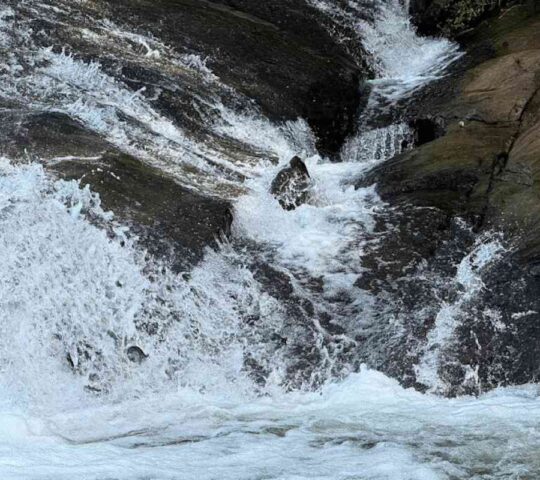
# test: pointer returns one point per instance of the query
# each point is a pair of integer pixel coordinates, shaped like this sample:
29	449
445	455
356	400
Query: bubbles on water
365	426
5	14
81	306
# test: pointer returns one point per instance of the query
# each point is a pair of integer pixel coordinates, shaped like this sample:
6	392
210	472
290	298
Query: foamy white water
402	60
45	79
468	278
69	289
366	427
75	294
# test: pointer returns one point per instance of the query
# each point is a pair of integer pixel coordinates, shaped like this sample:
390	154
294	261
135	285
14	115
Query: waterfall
402	60
379	144
254	363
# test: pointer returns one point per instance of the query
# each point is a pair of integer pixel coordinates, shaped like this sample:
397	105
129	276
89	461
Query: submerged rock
135	354
291	185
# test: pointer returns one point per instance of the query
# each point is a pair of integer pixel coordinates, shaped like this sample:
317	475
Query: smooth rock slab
276	53
171	221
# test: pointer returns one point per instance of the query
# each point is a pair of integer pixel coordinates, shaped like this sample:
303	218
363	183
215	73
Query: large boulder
479	325
170	220
276	53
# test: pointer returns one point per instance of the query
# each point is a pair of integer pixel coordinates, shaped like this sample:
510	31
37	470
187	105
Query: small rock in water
291	185
228	220
136	355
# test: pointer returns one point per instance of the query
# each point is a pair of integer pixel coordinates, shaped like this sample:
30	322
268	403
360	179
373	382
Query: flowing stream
191	409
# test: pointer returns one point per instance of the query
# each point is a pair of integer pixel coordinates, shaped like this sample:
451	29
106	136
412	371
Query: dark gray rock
46	135
171	221
291	185
135	354
276	53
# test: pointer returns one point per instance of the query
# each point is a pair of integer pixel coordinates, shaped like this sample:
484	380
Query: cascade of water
213	384
402	60
44	79
321	245
375	146
468	278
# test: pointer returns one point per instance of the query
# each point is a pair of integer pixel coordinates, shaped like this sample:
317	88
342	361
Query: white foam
67	288
314	236
282	142
468	277
402	60
55	267
5	13
365	427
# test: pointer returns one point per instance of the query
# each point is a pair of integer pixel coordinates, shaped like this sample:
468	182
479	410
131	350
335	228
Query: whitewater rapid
366	427
74	282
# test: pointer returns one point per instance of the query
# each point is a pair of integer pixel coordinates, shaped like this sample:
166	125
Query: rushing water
191	410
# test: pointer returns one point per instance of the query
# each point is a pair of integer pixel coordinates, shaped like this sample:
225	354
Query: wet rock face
502	343
170	220
450	17
291	185
410	271
46	135
488	126
276	53
481	173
